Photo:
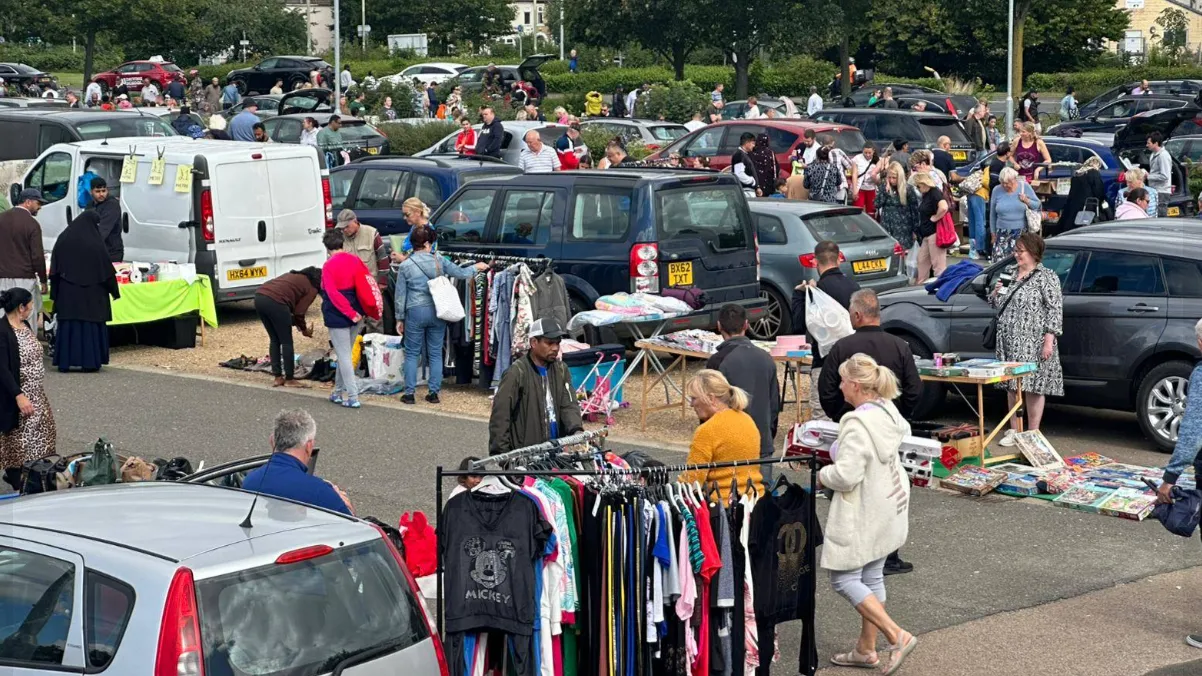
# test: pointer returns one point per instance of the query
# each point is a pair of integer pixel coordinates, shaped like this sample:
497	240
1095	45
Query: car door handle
1140	307
262	231
247	262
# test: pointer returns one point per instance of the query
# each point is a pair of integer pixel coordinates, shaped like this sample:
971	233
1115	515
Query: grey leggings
857	585
344	378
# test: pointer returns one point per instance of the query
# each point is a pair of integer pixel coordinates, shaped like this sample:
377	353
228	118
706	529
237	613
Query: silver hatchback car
788	230
161	578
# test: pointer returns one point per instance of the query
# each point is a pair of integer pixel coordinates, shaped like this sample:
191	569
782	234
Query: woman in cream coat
870	508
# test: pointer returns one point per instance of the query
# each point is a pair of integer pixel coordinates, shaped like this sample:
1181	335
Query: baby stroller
599	403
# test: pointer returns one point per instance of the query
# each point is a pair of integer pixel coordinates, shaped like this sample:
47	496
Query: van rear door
243	221
298	210
706	239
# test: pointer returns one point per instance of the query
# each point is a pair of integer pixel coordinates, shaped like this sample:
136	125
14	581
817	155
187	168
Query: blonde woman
417	215
932	259
561	115
726	432
897	205
869	513
1029	152
1137	177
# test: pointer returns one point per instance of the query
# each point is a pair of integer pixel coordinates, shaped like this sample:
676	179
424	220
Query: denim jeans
423	328
976	222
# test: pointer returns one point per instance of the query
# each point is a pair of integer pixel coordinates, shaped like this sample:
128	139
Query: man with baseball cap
535	401
242	127
22	260
365	242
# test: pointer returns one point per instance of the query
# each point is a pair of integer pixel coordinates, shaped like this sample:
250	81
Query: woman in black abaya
766	168
81	281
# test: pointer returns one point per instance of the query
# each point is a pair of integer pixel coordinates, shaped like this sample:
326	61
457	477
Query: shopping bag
945	232
447	304
912	262
101	468
826	320
1182	516
385	356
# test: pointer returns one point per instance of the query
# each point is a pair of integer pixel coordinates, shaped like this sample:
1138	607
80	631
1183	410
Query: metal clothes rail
537	449
487	257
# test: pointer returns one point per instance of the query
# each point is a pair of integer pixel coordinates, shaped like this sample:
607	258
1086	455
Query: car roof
892	111
1160	236
789	123
444	64
438	161
322	118
149	516
68	114
299	58
1091	143
626	174
795	207
145	61
1151	97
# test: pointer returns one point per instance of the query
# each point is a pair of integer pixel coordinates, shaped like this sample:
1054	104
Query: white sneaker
1007	439
974	256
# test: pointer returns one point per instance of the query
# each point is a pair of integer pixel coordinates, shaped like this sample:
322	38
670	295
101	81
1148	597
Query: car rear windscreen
667	132
933	128
715	214
844	228
134	125
850	141
304	618
172	68
358	132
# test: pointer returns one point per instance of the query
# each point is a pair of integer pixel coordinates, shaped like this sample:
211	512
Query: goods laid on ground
816	438
97	467
974	480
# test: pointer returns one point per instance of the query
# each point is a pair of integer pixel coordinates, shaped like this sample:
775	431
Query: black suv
922	130
28	132
259	79
1188	89
1132	295
617	230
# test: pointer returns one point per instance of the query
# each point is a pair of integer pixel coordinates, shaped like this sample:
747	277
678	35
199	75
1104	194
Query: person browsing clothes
535	401
750	369
726	432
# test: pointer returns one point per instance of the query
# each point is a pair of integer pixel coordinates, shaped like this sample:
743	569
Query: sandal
898	653
856	659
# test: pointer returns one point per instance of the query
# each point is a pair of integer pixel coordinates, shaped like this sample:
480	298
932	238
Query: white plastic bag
912	262
385	356
826	320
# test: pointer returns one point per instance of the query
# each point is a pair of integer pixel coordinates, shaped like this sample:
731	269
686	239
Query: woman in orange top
726	432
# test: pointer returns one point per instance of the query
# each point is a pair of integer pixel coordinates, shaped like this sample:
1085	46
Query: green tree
675	101
385	18
742	27
132	22
1174	27
465	23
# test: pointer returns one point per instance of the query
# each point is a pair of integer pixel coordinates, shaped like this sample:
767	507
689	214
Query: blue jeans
976	222
423	328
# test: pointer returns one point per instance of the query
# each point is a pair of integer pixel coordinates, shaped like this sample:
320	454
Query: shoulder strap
1010	295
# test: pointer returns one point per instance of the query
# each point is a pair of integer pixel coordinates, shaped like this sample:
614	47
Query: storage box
1037	450
974	480
1129	503
175	333
813	438
1085	497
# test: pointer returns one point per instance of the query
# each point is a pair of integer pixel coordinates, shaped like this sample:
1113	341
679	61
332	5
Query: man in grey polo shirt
538	156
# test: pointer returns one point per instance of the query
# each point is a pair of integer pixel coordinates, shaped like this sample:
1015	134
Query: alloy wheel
1166	406
767	326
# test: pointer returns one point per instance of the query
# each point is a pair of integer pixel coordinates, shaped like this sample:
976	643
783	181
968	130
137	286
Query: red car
718	141
135	74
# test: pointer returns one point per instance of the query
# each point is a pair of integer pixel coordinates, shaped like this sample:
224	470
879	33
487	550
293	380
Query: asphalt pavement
978	561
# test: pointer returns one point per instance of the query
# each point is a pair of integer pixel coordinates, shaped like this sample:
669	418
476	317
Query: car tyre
294	82
933	394
241	85
777	319
1160	402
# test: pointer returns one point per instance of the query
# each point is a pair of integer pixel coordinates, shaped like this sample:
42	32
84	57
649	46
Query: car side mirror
978	285
14	191
1093	118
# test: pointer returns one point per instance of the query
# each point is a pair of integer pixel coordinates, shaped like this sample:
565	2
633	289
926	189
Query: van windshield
135	125
716	214
303	618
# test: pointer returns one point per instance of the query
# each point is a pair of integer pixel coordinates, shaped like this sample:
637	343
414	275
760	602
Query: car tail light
951	107
179	635
808	260
304	554
416	591
898	249
329	203
644	267
206	214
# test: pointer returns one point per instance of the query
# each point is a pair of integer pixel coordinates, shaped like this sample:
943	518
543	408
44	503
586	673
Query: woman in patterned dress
25	416
1028	327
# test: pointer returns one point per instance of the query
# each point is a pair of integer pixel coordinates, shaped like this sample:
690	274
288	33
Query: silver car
511	146
162	578
788	230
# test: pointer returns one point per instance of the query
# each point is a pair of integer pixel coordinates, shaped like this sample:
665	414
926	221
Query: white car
437	73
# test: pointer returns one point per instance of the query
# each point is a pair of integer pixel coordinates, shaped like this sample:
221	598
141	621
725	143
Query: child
780	189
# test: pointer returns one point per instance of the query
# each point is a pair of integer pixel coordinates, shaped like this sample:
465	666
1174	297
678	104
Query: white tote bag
447	304
826	320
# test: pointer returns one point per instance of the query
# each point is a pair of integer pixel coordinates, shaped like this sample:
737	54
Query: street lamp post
1009	72
561	30
337	60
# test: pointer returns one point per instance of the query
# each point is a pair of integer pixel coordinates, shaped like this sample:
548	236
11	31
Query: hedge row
406	139
1090	83
57	59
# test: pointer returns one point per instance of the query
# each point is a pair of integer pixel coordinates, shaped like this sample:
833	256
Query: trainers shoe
433	398
336	398
1007	439
1194	640
408	399
898	567
352	403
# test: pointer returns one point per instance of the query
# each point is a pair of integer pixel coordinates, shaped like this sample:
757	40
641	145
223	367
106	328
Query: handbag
447	305
945	232
101	468
1182	516
989	334
972	182
1035	217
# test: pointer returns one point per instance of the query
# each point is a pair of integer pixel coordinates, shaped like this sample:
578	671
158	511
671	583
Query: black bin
176	333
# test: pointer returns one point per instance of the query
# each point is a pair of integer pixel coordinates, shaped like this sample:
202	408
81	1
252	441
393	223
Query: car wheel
241	85
777	319
1160	402
295	82
933	394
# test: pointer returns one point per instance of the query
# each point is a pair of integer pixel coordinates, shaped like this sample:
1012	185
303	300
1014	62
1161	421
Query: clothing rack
537	449
541	262
440	474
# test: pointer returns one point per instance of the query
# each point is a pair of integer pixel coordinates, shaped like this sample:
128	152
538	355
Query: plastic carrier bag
826	320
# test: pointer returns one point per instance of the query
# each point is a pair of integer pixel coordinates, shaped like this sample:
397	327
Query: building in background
1143	32
320	20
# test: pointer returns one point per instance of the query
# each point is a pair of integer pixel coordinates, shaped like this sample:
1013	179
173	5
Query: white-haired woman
1009	203
726	432
1137	177
869	513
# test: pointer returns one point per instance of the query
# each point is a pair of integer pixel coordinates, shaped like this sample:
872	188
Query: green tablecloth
152	301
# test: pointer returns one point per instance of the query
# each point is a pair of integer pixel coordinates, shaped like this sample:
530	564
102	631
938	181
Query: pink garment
688	596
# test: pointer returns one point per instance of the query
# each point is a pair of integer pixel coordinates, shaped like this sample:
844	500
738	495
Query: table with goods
946	369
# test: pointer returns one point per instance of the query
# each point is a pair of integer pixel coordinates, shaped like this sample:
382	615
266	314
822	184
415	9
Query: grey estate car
788	230
160	578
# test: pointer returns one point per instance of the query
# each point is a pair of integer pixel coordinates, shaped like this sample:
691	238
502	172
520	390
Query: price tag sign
158	167
183	178
129	169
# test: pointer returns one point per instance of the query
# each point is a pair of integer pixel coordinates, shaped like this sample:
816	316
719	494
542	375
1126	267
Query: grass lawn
72	80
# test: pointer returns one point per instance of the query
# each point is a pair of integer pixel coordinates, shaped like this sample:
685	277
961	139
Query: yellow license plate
1174	211
960	155
240	274
873	265
373	151
680	274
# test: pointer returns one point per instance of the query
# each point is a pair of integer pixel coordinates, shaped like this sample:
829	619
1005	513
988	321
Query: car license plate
373	151
130	81
1174	211
680	274
239	274
871	265
960	155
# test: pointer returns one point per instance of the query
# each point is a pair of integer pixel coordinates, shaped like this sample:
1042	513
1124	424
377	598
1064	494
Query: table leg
797	394
202	331
643	408
1018	394
684	375
981	421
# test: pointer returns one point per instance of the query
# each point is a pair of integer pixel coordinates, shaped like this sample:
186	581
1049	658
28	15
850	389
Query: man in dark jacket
22	259
109	212
833	283
887	350
492	134
535	402
751	369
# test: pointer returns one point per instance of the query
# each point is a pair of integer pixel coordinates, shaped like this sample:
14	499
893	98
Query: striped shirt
545	159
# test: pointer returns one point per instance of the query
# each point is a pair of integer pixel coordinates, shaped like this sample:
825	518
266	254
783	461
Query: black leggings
277	319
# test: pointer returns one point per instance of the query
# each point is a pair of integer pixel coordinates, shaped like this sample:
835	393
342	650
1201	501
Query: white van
254	210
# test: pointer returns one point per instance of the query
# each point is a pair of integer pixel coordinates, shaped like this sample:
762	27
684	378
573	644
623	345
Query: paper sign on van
183	178
158	167
129	169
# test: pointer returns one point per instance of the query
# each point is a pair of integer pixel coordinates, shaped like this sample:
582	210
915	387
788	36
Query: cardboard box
974	480
1038	450
1129	503
1085	497
1086	462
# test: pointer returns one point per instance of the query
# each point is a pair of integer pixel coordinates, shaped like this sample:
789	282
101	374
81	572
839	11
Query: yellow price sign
183	178
129	169
158	167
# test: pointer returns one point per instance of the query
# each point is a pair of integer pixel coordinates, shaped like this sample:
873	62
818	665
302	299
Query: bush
1090	83
60	58
404	99
675	101
596	139
792	77
406	139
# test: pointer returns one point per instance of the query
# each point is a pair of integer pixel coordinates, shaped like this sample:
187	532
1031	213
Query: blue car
376	187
